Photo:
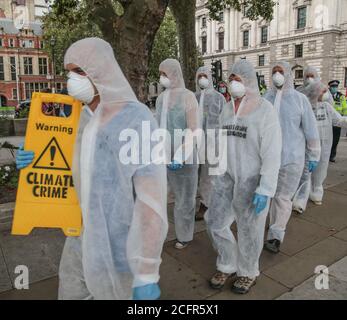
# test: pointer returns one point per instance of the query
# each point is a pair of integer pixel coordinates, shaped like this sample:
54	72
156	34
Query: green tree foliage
67	23
165	46
253	8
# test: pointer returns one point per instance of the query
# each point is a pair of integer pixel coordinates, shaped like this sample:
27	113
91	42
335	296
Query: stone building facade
302	32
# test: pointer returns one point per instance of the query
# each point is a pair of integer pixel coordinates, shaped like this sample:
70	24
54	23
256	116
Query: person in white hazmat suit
123	205
310	76
311	184
299	133
243	192
176	111
211	104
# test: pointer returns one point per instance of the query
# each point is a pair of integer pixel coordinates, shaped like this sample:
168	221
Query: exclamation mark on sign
53	150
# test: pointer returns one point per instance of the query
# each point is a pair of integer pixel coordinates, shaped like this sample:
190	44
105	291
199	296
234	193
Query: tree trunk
131	35
184	13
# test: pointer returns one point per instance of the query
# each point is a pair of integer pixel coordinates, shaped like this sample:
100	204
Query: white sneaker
318	203
181	245
298	210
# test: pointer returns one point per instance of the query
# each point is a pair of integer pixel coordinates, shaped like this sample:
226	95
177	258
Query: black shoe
200	215
272	246
333	160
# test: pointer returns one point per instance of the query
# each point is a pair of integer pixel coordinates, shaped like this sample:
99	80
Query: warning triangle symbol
52	158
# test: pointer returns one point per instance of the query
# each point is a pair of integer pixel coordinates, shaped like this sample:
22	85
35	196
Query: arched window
220	39
204	43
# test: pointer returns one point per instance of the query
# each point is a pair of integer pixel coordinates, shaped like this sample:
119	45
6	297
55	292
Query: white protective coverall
299	130
211	104
253	152
312	71
123	205
177	109
311	185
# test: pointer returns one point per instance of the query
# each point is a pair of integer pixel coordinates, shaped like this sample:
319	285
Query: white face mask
278	79
80	87
165	82
222	90
203	83
237	89
309	81
326	97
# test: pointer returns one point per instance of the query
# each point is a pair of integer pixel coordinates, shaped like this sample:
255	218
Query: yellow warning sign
46	196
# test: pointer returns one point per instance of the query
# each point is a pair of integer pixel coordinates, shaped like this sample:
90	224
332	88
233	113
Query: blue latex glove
147	292
312	165
260	202
175	165
24	158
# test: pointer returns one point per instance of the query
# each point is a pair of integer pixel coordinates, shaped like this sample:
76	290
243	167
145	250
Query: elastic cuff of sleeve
144	279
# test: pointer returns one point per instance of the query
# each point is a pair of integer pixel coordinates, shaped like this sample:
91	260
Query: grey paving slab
300	267
341	188
307	291
325	252
40	252
181	282
332	214
5	281
301	234
43	290
291	272
199	255
265	289
342	235
339	270
268	259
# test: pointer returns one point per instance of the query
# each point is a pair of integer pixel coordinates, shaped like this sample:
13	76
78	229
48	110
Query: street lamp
53	43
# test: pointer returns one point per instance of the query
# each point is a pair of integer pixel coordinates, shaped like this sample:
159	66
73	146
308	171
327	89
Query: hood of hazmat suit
123	202
211	102
299	129
313	71
177	108
253	155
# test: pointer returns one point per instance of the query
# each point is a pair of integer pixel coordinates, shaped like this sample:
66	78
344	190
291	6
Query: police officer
340	105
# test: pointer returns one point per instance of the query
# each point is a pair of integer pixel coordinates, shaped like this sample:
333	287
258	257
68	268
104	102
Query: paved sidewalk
319	237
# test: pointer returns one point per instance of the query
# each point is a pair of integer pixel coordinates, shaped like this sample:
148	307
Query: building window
1	42
28	65
299	51
2	73
34	87
204	22
302	12
299	74
221	40
204	44
11	43
221	16
246	38
14	94
43	69
59	86
13	68
261	61
345	77
261	78
264	34
41	44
